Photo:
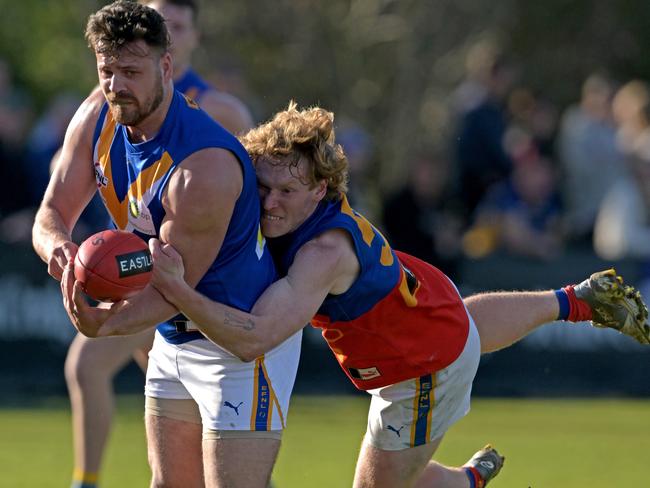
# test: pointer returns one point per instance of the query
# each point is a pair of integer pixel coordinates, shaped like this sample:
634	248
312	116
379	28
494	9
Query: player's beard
133	112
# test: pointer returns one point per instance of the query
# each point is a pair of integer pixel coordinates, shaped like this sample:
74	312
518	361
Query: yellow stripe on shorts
423	404
264	399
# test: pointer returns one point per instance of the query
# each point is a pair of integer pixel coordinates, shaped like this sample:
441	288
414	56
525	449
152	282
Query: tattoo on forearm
233	320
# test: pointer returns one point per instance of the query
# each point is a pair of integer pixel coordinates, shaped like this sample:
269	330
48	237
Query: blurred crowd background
507	143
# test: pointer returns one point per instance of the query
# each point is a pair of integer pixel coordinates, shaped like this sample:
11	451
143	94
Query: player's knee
79	370
165	478
377	467
158	478
71	369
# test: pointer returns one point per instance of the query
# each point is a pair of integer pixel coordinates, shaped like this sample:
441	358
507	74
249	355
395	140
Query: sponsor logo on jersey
99	176
134	263
140	217
133	208
364	373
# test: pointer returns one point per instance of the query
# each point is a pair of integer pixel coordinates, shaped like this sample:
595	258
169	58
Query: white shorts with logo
417	411
230	394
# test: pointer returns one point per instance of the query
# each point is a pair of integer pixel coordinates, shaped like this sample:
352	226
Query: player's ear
321	189
167	66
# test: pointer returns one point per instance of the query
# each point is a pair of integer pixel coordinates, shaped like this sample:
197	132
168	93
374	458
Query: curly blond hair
295	135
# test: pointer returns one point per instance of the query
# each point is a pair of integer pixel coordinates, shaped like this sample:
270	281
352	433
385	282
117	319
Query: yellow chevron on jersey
142	192
104	174
131	212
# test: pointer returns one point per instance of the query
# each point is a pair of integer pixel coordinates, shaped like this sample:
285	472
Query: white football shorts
230	394
417	411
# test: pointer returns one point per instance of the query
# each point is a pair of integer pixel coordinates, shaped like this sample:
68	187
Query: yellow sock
84	479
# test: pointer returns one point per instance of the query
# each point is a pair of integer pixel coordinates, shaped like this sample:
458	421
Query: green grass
548	443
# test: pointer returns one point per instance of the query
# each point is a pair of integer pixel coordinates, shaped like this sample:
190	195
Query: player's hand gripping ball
113	265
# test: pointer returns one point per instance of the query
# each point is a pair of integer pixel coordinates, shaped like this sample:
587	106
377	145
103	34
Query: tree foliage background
389	65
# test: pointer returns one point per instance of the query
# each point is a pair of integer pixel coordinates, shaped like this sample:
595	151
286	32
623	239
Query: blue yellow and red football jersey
402	318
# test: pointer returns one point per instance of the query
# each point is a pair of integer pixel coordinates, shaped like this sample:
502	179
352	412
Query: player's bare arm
324	265
199	202
229	111
69	191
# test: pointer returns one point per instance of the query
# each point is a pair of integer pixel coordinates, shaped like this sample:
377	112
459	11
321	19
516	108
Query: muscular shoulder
94	101
73	178
228	110
77	145
207	181
86	116
333	240
334	254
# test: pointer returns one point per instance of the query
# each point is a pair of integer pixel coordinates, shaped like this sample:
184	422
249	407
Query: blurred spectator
630	106
418	218
623	224
357	145
40	154
537	115
44	141
590	157
42	149
481	157
15	115
15	110
520	215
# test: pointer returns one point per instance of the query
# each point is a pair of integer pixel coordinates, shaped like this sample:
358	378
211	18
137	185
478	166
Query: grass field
548	443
